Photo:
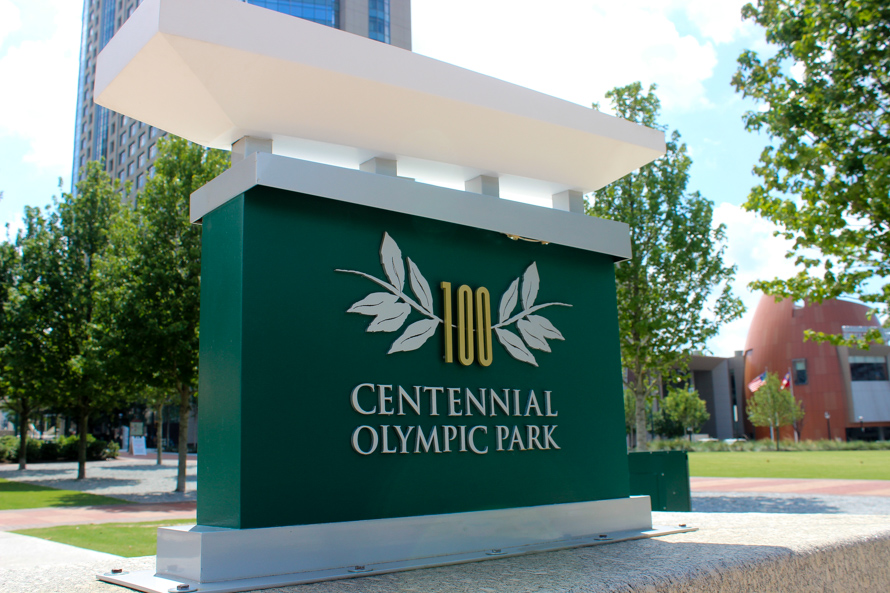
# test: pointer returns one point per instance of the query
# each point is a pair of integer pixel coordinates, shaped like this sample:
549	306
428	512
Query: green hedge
63	449
767	445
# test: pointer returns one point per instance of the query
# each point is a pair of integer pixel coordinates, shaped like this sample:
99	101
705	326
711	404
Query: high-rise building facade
129	147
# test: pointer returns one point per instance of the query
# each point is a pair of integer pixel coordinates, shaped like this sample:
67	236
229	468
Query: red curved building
850	386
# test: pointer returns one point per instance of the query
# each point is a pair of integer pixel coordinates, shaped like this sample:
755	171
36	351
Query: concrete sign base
219	560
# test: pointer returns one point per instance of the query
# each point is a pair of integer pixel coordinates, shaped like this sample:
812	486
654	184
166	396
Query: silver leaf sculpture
420	287
392	308
415	336
515	347
534	329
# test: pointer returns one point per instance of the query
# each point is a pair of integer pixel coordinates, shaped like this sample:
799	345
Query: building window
132	149
132	168
378	20
142	159
123	138
151	171
122	175
799	368
141	140
153	131
325	12
152	151
140	181
122	157
132	129
868	368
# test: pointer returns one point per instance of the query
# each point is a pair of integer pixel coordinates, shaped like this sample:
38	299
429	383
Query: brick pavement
120	513
793	486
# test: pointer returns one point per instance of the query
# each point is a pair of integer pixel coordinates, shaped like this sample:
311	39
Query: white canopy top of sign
214	71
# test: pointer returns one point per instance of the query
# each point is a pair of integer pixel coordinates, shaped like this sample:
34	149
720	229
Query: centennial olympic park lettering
370	399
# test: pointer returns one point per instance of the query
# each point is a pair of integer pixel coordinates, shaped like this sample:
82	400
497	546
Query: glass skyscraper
324	12
129	147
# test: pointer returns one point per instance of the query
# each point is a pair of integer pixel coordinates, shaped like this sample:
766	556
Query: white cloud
573	49
759	256
10	19
720	21
40	81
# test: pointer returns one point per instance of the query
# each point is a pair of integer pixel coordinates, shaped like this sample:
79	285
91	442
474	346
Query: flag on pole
786	381
757	382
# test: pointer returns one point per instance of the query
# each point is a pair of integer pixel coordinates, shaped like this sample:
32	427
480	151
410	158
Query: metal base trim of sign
149	582
217	559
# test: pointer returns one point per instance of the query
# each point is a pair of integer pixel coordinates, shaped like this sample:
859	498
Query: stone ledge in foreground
730	552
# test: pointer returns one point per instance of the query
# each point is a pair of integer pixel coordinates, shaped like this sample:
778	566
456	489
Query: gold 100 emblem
519	328
467	325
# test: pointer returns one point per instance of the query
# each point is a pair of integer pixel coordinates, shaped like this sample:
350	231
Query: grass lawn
123	539
18	495
845	465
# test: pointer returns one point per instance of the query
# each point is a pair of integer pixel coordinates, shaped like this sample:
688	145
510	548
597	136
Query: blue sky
573	49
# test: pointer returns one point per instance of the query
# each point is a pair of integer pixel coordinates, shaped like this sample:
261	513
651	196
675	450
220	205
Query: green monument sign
394	372
368	364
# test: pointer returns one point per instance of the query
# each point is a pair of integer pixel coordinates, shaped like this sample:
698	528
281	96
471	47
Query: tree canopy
28	366
675	292
152	281
684	406
825	178
85	385
773	406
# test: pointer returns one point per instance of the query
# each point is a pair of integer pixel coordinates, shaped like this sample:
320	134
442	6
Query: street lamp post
828	422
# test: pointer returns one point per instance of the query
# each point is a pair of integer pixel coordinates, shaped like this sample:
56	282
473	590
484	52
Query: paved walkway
127	513
134	479
23	552
793	486
139	480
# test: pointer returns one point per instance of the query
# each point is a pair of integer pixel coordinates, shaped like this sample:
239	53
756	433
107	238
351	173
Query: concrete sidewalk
24	552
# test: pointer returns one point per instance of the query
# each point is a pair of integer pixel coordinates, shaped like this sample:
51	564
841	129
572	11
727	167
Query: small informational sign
138	444
126	438
137	429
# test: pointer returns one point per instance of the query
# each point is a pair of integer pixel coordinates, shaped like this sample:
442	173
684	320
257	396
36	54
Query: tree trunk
184	409
640	428
159	432
23	434
82	446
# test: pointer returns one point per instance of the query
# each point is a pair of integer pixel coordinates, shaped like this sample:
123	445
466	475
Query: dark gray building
719	381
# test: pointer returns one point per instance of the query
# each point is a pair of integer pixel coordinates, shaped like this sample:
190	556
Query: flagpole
791	385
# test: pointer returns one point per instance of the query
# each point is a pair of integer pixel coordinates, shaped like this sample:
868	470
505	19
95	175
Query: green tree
773	406
152	274
685	407
85	386
27	313
825	178
675	291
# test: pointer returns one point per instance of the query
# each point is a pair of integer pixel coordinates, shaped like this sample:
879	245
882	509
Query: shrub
679	444
50	451
34	450
9	448
111	450
95	448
